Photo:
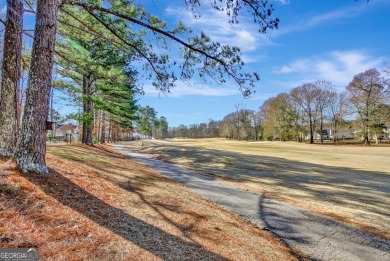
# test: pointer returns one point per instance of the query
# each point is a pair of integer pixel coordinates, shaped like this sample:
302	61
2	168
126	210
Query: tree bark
366	131
31	148
103	130
11	73
98	123
366	137
311	131
376	138
321	129
109	131
87	109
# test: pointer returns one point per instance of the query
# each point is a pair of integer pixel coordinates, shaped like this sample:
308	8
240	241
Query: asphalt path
320	238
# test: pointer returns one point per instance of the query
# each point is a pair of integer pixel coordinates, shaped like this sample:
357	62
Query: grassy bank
99	205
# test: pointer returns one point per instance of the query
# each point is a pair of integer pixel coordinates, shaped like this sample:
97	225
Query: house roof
68	128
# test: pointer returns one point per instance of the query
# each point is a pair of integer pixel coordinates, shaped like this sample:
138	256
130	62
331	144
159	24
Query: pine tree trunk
103	126
21	95
87	110
11	73
31	148
110	132
98	124
113	133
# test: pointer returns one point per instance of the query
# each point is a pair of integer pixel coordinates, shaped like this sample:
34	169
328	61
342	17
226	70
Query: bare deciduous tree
365	93
337	110
322	102
306	96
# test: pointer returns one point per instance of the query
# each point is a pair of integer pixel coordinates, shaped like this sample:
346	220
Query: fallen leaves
97	204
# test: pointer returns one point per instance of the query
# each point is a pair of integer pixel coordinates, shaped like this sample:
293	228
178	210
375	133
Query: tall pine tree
11	73
216	60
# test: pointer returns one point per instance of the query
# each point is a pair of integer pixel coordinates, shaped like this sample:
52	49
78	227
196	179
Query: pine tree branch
90	28
29	11
90	32
126	42
30	6
258	14
89	7
210	60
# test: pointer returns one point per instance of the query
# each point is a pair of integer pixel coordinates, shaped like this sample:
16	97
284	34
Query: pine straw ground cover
99	205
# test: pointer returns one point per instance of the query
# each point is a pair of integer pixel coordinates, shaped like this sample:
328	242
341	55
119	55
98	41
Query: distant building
66	132
329	134
384	135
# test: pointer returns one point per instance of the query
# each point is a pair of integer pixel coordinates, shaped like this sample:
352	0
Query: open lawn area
99	205
349	183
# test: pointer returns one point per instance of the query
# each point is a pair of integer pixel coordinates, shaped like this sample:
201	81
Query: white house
67	131
329	134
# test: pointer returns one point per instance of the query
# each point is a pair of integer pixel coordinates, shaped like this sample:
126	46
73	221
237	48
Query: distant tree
238	125
210	129
182	131
337	109
246	129
298	119
213	128
228	126
322	101
306	96
279	117
268	118
256	124
380	120
285	115
365	93
147	120
237	120
163	127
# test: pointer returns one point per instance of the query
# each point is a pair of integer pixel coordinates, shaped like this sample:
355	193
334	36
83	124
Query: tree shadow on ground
142	234
136	180
294	226
336	185
276	223
320	236
356	189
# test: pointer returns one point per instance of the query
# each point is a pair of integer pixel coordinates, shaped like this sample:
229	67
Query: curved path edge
320	238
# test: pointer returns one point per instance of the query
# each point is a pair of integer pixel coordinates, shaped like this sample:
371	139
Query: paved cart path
318	237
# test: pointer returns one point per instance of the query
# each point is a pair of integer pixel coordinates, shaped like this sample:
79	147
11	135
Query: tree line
96	48
306	110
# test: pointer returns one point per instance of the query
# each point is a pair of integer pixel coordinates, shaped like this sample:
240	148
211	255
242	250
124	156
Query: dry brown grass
347	183
99	205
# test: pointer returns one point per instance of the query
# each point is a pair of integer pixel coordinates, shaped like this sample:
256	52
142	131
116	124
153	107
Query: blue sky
332	40
316	39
